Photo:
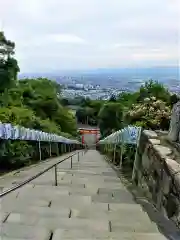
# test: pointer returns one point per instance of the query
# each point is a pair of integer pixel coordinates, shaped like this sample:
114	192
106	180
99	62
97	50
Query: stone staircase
89	203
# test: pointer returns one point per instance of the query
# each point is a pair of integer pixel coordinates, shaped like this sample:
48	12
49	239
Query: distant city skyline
87	34
102	83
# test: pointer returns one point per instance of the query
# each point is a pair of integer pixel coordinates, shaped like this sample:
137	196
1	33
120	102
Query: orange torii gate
84	131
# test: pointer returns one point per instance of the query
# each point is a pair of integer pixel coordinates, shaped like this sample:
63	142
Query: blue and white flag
53	137
131	134
2	130
40	136
37	135
46	137
28	134
15	132
43	136
33	132
23	133
50	137
60	139
7	131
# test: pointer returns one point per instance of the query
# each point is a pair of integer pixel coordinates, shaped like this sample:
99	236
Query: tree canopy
110	118
8	65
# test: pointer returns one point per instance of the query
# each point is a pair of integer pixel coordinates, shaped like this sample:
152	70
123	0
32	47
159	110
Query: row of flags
8	131
129	135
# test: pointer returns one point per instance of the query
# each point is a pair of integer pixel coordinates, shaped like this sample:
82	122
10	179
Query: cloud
150	56
66	38
58	34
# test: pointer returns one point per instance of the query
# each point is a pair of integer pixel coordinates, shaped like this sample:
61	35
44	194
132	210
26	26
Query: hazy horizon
174	68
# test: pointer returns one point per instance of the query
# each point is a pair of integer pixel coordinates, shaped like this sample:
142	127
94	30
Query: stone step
49	193
38	197
13	205
79	171
71	188
123	197
71	201
51	220
17	232
52	223
59	202
125	216
79	179
40	212
86	235
70	184
83	191
129	208
42	188
107	185
113	191
133	225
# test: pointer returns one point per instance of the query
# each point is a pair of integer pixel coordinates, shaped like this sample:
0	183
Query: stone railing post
174	130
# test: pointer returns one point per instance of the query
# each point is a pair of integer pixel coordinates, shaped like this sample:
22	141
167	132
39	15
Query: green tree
112	98
154	89
66	121
43	97
8	65
127	99
88	114
64	102
85	102
174	99
110	118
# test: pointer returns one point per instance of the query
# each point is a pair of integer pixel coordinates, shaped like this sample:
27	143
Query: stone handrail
157	172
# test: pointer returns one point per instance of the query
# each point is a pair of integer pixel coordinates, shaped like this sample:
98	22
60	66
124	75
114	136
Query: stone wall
157	171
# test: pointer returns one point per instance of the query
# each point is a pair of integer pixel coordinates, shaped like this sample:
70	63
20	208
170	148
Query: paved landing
89	203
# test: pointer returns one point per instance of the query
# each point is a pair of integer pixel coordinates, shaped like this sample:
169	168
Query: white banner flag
7	130
1	130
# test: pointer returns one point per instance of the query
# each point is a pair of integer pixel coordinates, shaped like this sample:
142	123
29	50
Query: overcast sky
82	34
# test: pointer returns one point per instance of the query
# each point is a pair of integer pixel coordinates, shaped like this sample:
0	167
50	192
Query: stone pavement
89	203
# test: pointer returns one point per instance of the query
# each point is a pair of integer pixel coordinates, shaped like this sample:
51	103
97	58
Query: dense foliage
88	111
110	118
32	103
150	114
